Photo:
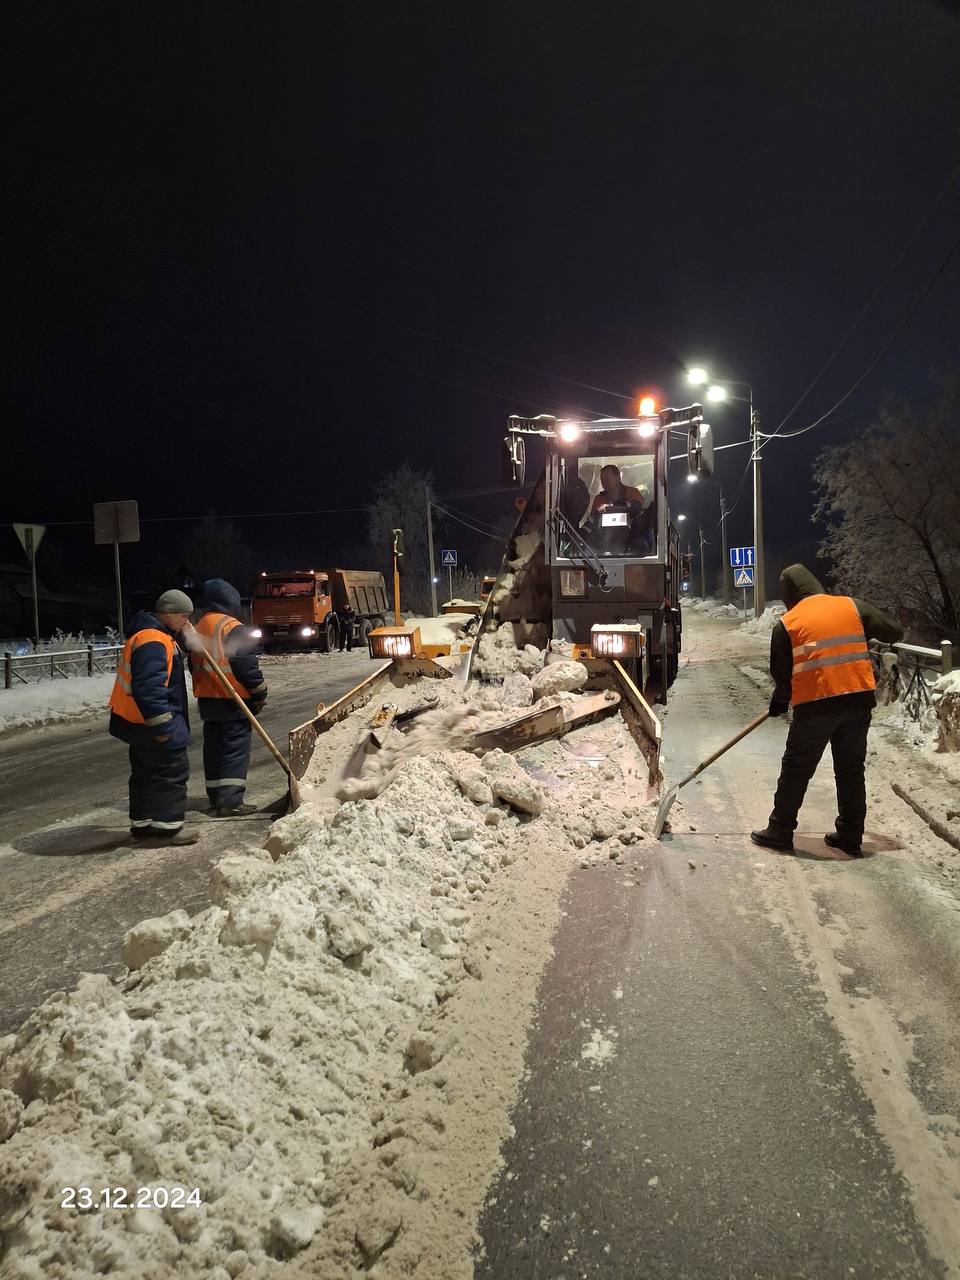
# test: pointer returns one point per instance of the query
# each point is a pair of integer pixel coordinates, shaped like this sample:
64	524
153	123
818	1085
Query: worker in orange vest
148	711
226	730
821	666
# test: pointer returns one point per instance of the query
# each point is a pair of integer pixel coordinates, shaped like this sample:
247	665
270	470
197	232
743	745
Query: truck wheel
379	621
366	626
330	636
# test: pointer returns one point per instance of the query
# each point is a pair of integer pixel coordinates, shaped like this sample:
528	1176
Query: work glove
256	704
778	708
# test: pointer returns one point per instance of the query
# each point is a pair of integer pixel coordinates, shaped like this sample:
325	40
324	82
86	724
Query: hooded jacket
798	583
155	696
220	598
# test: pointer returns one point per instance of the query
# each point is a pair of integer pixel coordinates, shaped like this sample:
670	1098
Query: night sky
257	254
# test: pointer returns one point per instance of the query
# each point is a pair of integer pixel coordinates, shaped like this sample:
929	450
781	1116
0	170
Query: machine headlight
306	632
394	642
616	640
257	633
573	584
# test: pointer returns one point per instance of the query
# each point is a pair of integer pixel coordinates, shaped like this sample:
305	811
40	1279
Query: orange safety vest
830	655
214	628
122	700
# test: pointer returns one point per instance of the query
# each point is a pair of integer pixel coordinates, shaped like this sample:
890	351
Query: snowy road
71	883
743	1064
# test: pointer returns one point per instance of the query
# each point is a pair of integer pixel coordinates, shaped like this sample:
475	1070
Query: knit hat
173	601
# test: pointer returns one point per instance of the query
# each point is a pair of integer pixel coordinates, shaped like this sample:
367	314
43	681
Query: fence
29	668
907	672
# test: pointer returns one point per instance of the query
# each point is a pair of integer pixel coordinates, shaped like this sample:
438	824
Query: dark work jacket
796	584
153	696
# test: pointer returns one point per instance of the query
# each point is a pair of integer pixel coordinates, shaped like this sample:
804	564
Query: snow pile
293	1050
498	654
447	629
54	700
763	625
712	608
945	699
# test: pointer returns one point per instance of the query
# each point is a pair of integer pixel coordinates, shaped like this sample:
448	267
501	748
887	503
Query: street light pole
724	553
703	571
759	594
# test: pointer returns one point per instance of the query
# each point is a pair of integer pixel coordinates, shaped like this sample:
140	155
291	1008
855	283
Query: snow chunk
945	697
151	937
295	1228
253	925
511	785
559	677
236	874
11	1109
348	937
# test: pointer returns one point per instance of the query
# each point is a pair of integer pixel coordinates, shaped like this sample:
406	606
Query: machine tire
363	631
330	636
379	621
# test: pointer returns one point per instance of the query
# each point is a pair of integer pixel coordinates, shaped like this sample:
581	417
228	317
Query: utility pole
759	596
724	553
703	571
430	568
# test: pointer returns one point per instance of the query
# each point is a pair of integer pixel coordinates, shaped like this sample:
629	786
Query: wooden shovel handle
754	724
258	727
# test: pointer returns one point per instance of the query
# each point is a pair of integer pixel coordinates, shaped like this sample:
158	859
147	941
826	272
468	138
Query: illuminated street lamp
719	390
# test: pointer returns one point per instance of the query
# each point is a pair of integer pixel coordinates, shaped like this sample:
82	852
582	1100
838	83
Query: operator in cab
614	491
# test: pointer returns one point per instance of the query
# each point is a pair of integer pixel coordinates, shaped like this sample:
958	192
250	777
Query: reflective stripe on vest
122	701
215	628
830	654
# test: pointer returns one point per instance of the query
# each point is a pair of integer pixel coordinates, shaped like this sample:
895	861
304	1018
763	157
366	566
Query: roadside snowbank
713	608
324	1051
54	700
763	625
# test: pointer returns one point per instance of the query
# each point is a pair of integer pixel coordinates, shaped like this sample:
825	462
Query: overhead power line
944	263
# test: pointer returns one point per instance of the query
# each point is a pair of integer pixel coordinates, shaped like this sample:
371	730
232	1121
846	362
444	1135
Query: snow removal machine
591	574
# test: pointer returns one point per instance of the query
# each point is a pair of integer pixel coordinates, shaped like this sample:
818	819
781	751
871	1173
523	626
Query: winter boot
234	810
834	841
773	838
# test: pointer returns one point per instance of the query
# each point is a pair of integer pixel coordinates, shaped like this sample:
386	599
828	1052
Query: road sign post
448	558
116	522
30	535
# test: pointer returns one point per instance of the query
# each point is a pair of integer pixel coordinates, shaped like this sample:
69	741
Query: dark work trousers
346	634
158	786
226	755
815	724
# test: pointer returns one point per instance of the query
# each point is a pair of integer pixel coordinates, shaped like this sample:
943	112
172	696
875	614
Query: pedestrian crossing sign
448	559
743	577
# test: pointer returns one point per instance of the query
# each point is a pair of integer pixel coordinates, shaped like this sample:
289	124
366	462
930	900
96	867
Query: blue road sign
743	577
740	557
448	558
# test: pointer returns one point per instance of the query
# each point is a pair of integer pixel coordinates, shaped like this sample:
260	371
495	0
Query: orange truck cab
298	607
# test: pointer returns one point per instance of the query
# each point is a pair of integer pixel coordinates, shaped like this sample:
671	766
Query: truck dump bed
363	589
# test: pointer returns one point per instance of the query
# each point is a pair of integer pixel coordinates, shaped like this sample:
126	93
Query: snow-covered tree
890	501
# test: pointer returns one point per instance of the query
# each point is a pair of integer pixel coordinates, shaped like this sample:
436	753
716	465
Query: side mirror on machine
700	449
514	460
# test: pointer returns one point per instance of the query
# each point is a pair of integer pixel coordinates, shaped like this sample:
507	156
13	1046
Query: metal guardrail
30	668
902	672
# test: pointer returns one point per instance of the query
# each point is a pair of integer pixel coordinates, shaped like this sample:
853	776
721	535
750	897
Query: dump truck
298	607
590	577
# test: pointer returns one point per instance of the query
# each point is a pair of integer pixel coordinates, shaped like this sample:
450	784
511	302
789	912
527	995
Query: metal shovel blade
666	804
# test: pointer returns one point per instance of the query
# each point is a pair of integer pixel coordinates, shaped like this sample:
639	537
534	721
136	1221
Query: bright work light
648	407
394	642
569	431
616	640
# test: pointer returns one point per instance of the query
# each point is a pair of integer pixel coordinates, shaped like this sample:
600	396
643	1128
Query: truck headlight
394	642
573	584
256	633
616	640
307	632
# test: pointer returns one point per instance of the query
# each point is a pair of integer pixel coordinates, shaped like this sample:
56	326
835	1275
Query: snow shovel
666	804
293	784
